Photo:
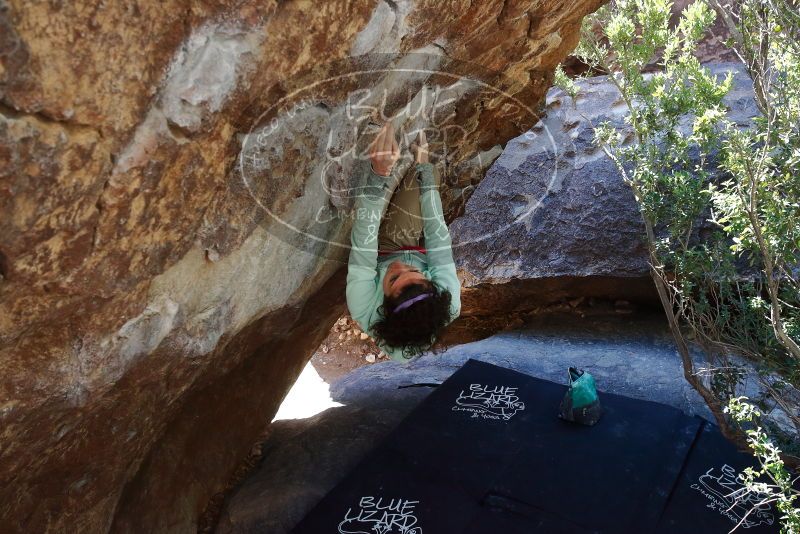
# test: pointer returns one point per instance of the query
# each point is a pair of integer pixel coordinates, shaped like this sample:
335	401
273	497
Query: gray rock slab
553	204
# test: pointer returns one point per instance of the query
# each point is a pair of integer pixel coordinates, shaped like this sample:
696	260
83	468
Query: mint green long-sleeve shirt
365	270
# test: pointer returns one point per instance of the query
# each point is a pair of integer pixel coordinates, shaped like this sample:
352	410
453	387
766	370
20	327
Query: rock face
553	220
174	191
306	458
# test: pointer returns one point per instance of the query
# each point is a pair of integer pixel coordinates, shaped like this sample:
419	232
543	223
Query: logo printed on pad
489	402
376	515
730	498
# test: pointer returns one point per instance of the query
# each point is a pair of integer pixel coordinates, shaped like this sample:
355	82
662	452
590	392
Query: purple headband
409	302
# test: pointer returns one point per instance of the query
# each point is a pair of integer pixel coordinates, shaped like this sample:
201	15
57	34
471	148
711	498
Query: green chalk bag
581	403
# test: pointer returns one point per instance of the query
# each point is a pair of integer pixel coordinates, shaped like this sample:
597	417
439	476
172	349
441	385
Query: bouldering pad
486	452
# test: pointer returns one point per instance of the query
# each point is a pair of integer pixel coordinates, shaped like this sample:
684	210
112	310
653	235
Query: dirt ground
346	348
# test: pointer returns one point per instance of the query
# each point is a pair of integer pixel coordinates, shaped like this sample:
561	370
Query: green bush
779	490
736	291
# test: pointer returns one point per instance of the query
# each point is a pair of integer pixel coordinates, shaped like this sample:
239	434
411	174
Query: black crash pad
487	453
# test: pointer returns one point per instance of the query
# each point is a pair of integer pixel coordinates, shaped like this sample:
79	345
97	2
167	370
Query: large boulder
553	220
174	187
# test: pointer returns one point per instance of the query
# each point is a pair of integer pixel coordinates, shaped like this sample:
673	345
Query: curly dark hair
414	328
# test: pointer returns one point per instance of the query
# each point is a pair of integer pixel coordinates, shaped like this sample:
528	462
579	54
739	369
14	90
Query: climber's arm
437	237
362	274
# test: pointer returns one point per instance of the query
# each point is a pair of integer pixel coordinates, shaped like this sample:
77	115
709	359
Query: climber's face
398	276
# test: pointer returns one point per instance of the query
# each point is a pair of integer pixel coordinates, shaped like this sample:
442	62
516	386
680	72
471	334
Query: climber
402	287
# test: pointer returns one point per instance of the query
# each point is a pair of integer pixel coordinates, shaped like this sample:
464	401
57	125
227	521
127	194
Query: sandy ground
345	349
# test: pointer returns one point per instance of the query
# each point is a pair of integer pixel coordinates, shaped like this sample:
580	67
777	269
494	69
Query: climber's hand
420	148
384	150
